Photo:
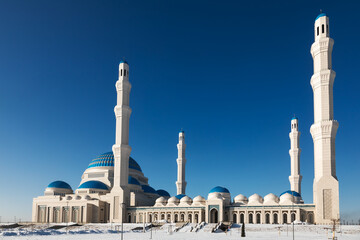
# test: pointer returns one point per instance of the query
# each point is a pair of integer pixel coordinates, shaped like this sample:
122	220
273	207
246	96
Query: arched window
182	216
241	218
176	218
190	218
284	218
196	218
267	218
275	218
258	218
129	218
293	216
162	216
250	218
168	217
234	218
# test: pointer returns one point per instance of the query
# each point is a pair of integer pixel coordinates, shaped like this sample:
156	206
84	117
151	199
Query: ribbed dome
199	199
240	198
219	189
94	185
186	199
59	184
255	198
107	160
163	193
161	200
173	200
293	193
271	198
148	189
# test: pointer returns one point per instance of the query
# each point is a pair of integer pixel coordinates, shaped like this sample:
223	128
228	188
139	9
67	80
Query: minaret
323	131
181	161
295	177
121	149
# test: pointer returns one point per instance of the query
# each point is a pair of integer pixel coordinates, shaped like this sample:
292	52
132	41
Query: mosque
114	188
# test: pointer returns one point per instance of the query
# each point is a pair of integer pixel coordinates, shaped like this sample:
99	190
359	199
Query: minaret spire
181	161
323	131
295	177
121	149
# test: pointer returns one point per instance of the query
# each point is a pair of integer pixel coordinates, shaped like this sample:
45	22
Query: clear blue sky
231	74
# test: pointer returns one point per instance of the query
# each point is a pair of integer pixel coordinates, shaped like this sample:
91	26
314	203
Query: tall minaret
121	149
181	161
323	131
295	177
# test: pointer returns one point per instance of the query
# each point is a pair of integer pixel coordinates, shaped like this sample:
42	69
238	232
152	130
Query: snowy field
171	231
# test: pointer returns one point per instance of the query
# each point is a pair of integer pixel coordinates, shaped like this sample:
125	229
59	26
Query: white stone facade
114	189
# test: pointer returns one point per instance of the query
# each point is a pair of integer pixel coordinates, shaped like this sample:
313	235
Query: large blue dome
295	194
219	189
163	193
148	189
107	160
59	184
132	180
180	196
94	184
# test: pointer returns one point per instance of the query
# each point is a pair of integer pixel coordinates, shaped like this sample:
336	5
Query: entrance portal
213	215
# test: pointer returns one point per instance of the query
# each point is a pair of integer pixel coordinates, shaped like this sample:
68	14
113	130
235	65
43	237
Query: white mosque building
114	188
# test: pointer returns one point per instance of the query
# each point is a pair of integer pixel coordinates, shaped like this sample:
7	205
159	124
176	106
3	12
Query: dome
148	189
59	184
94	184
123	61
320	15
133	180
293	193
173	200
286	198
294	118
255	198
161	200
163	193
214	195
107	160
219	189
271	198
180	196
199	199
186	199
240	198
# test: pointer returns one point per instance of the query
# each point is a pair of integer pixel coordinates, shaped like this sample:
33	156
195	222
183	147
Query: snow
178	231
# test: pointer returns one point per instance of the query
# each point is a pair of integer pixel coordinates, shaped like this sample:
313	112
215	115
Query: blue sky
231	74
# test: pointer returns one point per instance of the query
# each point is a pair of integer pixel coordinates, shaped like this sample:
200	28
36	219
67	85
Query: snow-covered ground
173	231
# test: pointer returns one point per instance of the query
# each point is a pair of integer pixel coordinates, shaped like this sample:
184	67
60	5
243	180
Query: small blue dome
320	15
219	189
294	118
94	184
133	181
107	160
59	184
123	61
148	189
163	193
180	196
295	194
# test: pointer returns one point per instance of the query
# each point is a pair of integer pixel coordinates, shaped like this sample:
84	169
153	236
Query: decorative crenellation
323	78
323	45
122	111
324	129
